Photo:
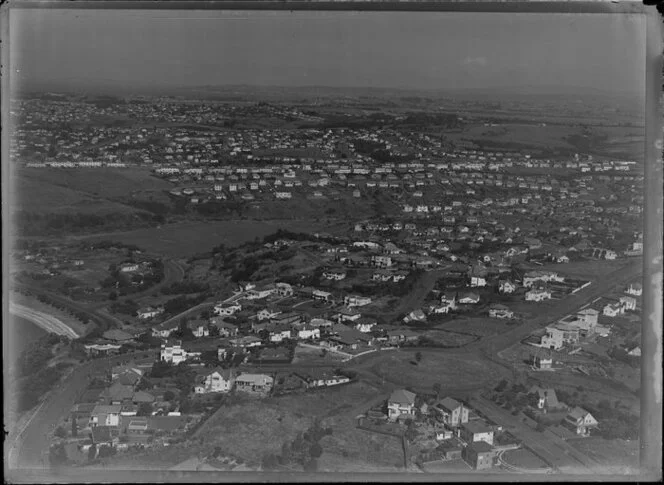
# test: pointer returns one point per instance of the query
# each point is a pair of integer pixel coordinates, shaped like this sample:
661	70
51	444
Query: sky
413	50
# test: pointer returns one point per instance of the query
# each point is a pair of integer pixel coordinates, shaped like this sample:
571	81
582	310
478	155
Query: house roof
477	427
106	409
256	379
142	396
578	413
402	396
450	404
481	447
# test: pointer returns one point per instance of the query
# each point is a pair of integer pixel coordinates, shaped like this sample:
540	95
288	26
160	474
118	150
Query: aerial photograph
325	242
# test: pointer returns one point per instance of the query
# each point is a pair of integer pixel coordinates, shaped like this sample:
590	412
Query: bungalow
246	342
628	303
364	325
547	399
199	328
356	300
128	267
322	295
558	335
103	415
500	311
267	313
613	309
219	380
225	329
452	412
538	294
381	261
401	335
580	421
635	289
165	329
308	332
175	354
506	286
149	312
313	378
336	275
226	309
415	316
284	289
255	383
469	298
348	314
261	292
530	278
474	431
401	402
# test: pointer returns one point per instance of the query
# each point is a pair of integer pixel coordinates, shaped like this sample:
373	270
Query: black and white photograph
330	244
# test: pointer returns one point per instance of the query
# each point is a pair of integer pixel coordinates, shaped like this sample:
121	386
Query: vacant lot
588	270
251	428
476	326
451	371
523	458
617	453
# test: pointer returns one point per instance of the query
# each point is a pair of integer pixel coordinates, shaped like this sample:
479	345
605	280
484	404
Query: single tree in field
418	356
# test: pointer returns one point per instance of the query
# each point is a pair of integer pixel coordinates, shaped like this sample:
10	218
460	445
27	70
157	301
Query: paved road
31	443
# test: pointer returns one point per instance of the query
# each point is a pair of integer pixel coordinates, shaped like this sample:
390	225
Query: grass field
189	238
86	191
587	270
456	371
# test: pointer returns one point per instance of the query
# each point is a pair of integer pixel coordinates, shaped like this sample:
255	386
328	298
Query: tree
437	389
169	396
311	465
92	452
418	357
144	409
316	450
60	432
57	455
269	462
74	427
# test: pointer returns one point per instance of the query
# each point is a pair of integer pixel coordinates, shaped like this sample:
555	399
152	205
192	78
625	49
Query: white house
254	383
219	380
538	294
500	311
105	415
175	354
401	402
635	289
507	286
356	300
226	309
149	312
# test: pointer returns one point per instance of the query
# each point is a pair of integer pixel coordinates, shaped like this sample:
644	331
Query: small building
473	431
105	415
479	455
254	383
452	412
500	311
219	380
